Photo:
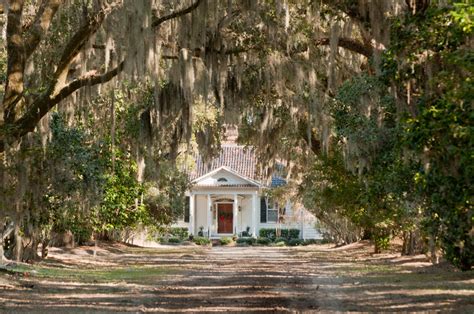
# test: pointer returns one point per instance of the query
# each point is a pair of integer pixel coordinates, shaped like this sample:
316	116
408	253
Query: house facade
227	198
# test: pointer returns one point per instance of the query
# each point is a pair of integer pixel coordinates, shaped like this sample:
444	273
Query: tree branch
16	61
350	44
40	26
78	40
157	21
86	81
40	107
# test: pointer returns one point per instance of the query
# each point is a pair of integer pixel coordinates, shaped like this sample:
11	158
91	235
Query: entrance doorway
225	218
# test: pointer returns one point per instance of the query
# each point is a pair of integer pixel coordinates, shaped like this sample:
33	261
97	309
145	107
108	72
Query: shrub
249	241
263	241
174	240
279	243
293	234
225	241
269	233
281	239
294	242
201	241
179	232
241	241
284	233
311	241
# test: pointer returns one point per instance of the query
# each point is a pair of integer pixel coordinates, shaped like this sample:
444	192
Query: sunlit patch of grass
115	274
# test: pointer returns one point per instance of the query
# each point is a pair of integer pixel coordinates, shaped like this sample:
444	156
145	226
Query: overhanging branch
40	107
157	21
350	44
40	25
86	81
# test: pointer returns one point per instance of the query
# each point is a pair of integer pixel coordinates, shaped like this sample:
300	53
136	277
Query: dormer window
222	180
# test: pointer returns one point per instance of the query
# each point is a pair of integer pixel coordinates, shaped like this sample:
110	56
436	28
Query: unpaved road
235	279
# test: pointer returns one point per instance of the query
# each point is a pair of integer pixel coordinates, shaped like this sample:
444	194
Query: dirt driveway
235	279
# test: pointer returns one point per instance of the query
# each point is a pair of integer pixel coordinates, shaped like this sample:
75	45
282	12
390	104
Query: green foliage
295	242
271	233
264	241
246	240
165	198
175	240
225	241
201	241
119	207
439	135
179	232
281	239
76	173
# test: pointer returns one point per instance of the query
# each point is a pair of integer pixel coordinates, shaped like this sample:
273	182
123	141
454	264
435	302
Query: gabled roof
239	160
227	169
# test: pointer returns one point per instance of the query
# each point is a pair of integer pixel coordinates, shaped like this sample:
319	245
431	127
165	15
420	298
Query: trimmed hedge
295	242
264	241
281	239
246	240
288	234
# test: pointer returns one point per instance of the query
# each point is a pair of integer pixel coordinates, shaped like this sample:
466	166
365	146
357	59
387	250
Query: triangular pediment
224	176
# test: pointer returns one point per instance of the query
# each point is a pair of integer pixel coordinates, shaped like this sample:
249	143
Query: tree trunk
2	256
30	251
432	245
18	245
377	248
44	248
405	243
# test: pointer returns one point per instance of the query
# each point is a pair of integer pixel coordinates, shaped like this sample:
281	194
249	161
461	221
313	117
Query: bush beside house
271	233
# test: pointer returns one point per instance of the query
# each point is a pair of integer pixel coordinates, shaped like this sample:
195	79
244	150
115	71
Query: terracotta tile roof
238	158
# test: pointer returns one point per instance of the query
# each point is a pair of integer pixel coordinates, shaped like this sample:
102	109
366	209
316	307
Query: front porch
216	214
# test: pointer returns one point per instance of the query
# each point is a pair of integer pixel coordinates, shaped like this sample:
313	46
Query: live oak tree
343	88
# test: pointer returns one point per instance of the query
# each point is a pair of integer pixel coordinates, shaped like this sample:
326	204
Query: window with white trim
272	211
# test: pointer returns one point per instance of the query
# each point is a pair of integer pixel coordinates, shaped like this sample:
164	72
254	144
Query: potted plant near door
246	233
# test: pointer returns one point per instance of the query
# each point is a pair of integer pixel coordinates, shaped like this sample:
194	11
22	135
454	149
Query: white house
227	198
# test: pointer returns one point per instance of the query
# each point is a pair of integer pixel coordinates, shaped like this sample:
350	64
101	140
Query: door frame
217	215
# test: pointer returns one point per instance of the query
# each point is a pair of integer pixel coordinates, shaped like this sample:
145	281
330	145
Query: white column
235	212
209	216
254	214
191	214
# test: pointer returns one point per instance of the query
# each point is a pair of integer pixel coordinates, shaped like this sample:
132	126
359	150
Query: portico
223	203
223	211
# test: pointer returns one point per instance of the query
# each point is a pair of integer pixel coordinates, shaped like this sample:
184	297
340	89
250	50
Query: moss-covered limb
157	21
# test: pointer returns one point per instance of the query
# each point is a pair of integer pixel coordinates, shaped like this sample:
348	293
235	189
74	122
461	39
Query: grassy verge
115	274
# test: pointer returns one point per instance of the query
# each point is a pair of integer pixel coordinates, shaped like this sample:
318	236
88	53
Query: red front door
224	218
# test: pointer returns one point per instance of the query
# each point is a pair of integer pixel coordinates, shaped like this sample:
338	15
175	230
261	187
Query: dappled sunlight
249	279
